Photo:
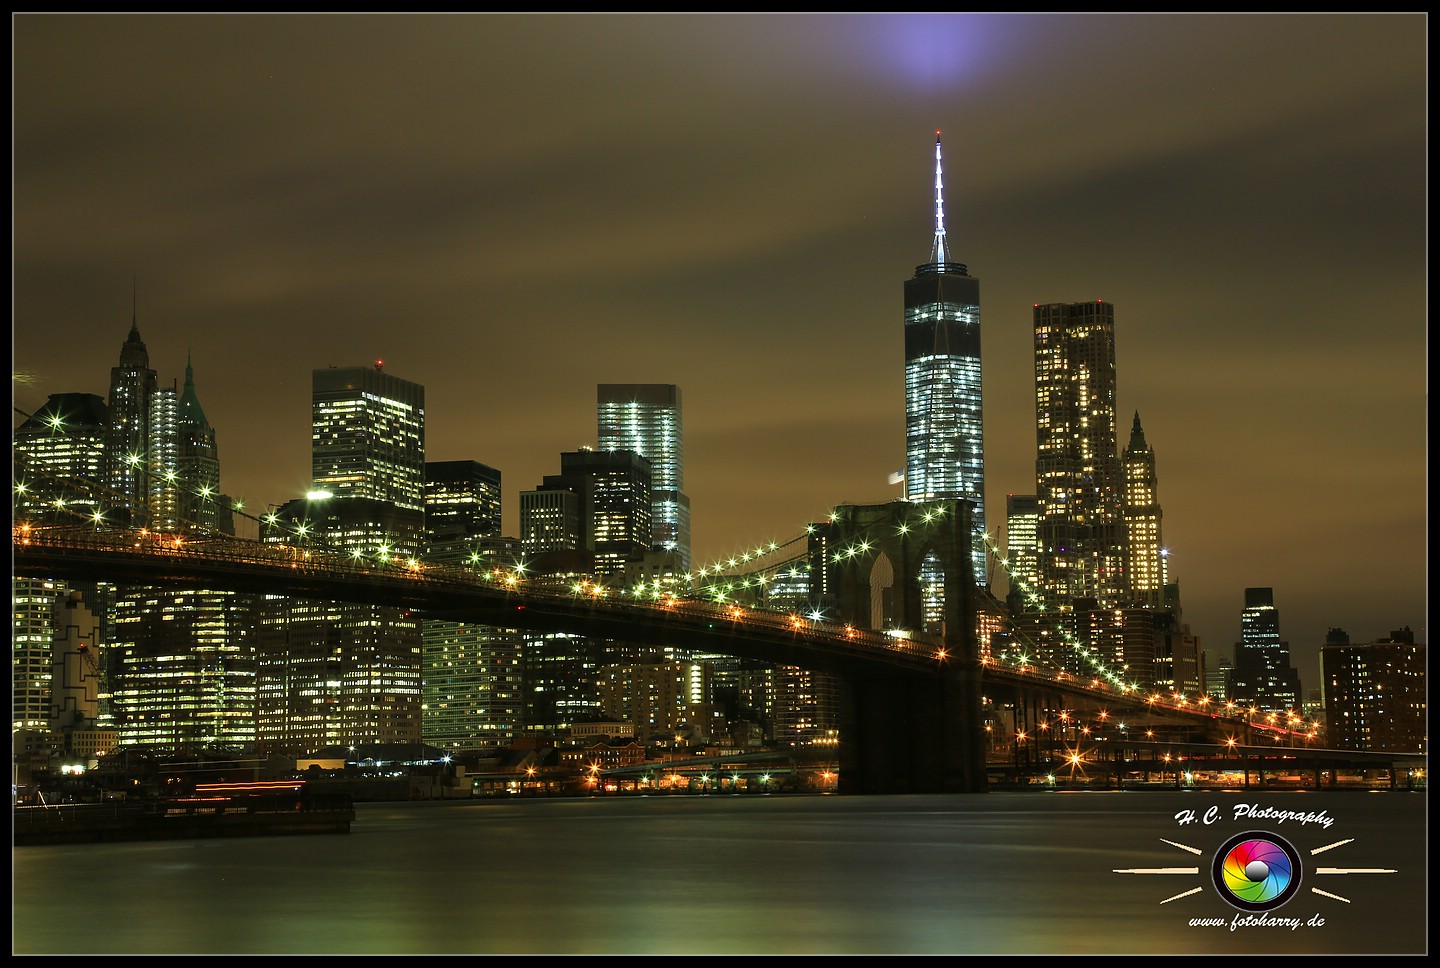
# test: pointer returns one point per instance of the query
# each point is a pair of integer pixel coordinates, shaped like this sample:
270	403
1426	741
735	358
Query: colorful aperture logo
1256	871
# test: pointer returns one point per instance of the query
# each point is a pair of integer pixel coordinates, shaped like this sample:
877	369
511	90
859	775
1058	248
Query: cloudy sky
512	209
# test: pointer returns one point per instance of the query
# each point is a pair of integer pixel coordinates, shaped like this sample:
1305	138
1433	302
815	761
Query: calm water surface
997	873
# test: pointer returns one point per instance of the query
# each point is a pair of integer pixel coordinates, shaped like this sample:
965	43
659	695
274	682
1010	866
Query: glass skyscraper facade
646	418
944	440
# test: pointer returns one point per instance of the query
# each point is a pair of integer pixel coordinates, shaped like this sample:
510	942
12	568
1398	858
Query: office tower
1262	675
612	500
549	521
462	502
944	442
334	673
368	435
1144	551
162	485
471	692
127	444
184	667
1217	668
1078	479
1119	641
602	499
59	459
160	635
1375	696
1022	515
199	505
1177	664
646	418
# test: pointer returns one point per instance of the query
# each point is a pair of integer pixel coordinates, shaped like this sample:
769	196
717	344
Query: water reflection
1001	873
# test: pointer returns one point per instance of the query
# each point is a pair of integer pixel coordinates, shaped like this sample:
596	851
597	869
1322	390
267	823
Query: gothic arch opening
882	592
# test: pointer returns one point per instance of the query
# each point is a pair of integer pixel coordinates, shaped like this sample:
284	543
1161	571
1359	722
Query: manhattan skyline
512	210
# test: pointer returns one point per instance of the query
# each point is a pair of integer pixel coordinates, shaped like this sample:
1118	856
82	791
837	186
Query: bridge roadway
455	593
903	671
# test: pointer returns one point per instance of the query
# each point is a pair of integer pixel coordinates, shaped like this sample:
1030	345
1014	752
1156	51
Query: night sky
512	209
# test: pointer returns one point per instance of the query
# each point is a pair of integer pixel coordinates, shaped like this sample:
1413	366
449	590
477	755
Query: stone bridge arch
901	733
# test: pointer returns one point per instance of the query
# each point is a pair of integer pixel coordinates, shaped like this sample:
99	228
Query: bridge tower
871	567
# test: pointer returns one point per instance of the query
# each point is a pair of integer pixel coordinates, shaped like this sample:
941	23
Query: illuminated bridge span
497	598
912	703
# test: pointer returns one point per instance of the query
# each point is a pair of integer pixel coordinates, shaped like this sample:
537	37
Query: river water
996	873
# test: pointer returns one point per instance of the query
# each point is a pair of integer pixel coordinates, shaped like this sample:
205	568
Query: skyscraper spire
939	249
190	410
944	440
1137	435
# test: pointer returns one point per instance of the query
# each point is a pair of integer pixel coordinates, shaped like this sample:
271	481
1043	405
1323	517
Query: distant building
944	426
368	435
472	694
335	673
76	680
56	451
612	497
1217	673
462	502
646	418
128	444
53	449
1079	481
1145	576
1263	676
1022	516
163	635
660	700
1375	694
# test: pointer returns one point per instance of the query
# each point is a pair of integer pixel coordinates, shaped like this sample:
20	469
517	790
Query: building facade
1262	675
368	435
1022	516
471	692
1079	484
1375	694
182	660
337	673
58	452
944	439
646	418
127	444
1145	572
612	496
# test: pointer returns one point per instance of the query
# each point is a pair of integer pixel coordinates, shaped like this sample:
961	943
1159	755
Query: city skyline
517	209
